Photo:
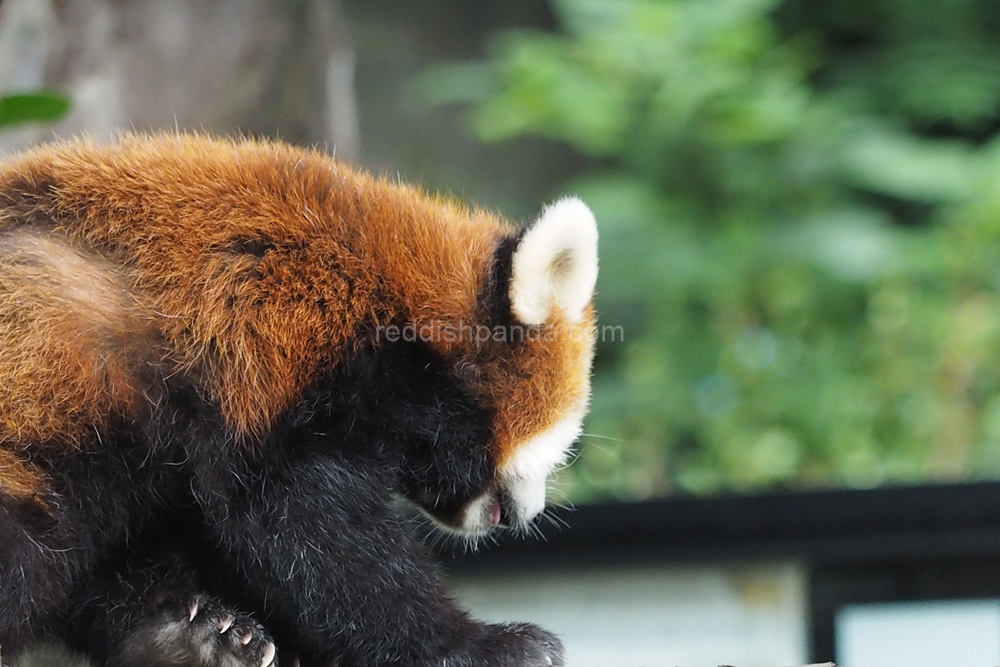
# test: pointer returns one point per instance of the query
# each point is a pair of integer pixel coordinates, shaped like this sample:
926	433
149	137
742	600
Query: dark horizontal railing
830	526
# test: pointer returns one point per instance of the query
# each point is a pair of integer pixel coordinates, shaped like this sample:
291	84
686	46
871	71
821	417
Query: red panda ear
555	264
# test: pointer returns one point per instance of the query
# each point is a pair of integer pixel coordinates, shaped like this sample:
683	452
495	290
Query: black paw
518	645
197	632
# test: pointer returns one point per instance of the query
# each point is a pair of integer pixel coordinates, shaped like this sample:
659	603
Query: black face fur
399	405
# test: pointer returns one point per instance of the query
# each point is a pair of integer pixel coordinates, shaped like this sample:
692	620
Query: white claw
193	611
548	659
245	639
225	624
268	655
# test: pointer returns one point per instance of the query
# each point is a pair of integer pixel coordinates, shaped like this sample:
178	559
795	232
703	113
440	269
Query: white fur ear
555	264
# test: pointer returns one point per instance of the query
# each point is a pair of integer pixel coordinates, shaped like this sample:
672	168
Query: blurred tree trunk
272	67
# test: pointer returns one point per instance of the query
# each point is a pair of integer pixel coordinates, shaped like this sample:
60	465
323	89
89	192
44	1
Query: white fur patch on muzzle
523	477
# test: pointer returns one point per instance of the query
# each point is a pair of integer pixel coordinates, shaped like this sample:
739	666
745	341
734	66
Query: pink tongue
494	512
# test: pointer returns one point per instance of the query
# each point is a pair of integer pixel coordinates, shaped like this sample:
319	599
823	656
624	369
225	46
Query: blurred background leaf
800	214
40	107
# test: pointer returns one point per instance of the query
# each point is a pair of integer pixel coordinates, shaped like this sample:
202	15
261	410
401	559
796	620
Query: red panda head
553	274
526	361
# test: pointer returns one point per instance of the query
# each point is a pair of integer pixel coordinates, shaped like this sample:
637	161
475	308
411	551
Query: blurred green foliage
799	205
36	107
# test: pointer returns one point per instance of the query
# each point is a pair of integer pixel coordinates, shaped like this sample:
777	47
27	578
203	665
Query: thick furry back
256	263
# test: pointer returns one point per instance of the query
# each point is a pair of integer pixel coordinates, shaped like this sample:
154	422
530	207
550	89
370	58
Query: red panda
222	362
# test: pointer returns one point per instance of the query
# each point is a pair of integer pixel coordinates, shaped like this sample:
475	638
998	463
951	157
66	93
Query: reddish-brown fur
140	255
68	329
19	479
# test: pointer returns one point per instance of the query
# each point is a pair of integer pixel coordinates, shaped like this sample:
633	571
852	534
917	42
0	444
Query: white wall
945	633
746	615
